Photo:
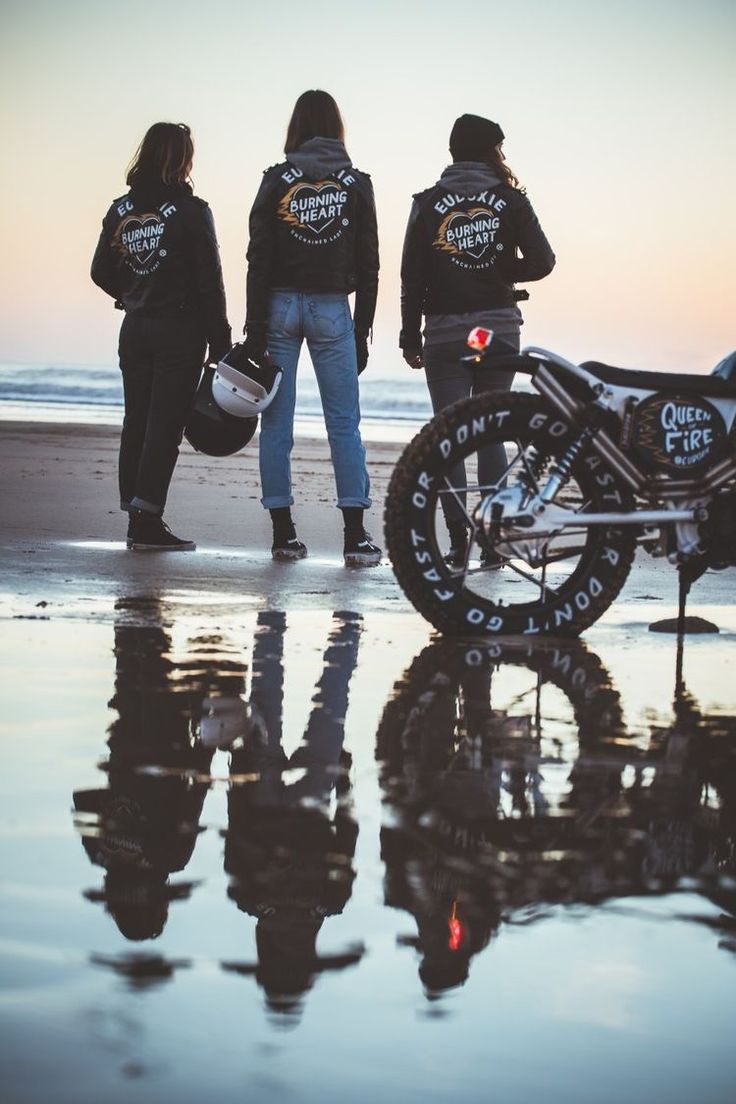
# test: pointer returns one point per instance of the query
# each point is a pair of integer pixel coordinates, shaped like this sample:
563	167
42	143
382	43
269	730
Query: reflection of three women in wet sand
478	836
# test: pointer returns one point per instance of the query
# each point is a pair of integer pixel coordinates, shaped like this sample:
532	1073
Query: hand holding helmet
255	343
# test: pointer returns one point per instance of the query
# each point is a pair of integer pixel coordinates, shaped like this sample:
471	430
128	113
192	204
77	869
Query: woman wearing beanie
313	240
470	238
157	257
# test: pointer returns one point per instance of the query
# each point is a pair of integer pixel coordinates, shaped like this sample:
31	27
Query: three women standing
313	240
157	256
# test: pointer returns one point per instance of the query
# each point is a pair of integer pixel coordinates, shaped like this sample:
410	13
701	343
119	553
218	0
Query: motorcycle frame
548	378
548	383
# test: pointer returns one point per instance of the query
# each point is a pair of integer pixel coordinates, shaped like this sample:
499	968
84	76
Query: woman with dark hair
313	241
158	258
471	237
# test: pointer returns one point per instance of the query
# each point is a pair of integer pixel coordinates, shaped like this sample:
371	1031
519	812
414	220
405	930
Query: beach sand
63	536
61	480
116	665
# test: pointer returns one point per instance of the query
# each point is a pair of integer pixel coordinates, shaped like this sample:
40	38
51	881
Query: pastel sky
619	119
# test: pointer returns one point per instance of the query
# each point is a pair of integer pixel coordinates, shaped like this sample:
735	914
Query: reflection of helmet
243	386
223	721
210	429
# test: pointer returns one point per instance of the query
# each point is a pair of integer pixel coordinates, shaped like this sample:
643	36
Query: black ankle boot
358	548
286	545
149	533
458	544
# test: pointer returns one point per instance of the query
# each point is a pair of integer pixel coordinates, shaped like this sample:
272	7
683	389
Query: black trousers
161	361
449	380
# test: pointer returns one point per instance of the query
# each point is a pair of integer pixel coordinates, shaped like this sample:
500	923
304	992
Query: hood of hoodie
468	178
319	157
152	193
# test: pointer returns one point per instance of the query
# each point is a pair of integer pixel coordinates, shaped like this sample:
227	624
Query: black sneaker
149	533
290	548
491	559
360	551
458	552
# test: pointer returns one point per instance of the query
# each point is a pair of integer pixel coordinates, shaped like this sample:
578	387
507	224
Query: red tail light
480	338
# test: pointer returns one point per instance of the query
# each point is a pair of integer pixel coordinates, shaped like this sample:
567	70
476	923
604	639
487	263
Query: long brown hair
498	163
315	115
164	156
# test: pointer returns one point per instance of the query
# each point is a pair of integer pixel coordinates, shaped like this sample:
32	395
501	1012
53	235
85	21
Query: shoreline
375	430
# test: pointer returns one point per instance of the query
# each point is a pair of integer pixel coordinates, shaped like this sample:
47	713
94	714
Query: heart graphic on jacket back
471	232
139	237
313	206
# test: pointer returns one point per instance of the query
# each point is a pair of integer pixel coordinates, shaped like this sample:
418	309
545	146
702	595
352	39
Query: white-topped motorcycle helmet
243	386
209	429
223	721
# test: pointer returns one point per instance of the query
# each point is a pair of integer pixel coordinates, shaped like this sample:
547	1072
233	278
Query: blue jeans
324	320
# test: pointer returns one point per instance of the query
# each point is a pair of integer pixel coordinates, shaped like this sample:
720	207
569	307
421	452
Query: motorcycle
558	489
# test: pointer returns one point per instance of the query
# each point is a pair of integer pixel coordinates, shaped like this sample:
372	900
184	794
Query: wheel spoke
539	583
548	570
456	493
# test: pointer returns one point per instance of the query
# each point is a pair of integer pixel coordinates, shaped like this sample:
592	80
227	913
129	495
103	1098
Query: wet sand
63	538
264	835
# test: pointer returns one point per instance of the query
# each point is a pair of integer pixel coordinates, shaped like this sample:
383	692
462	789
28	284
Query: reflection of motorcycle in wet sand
512	785
556	490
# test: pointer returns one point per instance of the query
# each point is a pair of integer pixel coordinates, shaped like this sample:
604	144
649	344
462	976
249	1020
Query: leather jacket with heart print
157	255
469	239
313	229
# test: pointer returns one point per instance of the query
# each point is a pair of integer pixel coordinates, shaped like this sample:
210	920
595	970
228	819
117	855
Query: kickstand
687	574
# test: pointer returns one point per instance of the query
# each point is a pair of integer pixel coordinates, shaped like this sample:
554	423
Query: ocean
392	408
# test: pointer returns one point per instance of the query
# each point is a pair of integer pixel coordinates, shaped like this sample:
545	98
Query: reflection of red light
457	933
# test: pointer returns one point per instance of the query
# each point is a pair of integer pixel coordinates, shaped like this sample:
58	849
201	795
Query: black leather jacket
462	245
158	256
313	228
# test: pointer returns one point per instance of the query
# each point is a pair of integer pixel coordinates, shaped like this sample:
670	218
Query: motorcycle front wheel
556	584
